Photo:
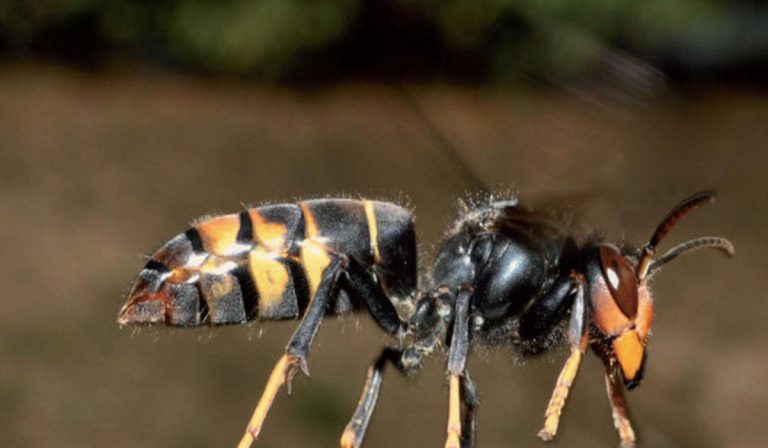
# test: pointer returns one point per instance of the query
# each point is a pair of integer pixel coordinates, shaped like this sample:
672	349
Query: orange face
623	312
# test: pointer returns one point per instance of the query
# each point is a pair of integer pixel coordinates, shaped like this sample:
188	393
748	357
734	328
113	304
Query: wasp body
267	263
504	275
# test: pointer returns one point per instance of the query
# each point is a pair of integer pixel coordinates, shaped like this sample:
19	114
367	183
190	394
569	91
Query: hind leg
295	357
430	331
471	401
355	431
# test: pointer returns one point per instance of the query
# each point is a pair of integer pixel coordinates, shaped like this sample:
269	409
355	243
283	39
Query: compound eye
621	279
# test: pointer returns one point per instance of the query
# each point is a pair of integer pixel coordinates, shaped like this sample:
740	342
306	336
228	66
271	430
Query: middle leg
457	361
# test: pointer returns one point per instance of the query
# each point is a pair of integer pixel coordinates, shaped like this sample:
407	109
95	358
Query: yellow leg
283	372
619	410
560	394
454	415
348	439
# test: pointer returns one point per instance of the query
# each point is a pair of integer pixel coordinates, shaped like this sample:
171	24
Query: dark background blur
121	120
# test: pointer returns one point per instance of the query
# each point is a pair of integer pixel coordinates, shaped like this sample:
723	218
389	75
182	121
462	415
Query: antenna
669	221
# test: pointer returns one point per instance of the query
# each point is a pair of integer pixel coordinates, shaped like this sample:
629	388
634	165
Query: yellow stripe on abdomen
314	259
370	217
271	278
314	255
270	234
219	234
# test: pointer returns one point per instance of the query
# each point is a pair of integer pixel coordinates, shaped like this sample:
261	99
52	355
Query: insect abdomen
265	262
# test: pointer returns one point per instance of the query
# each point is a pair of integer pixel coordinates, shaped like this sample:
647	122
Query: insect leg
457	360
471	401
429	330
544	313
296	351
377	303
577	338
621	421
355	431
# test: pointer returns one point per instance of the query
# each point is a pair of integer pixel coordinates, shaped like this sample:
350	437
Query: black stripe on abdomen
245	233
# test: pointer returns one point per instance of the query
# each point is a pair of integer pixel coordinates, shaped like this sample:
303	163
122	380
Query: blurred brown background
114	135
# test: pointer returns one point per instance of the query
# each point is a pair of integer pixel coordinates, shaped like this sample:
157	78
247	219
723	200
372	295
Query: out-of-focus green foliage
260	36
562	38
503	38
229	36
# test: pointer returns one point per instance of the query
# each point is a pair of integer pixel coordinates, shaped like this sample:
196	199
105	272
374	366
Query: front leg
615	389
542	315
